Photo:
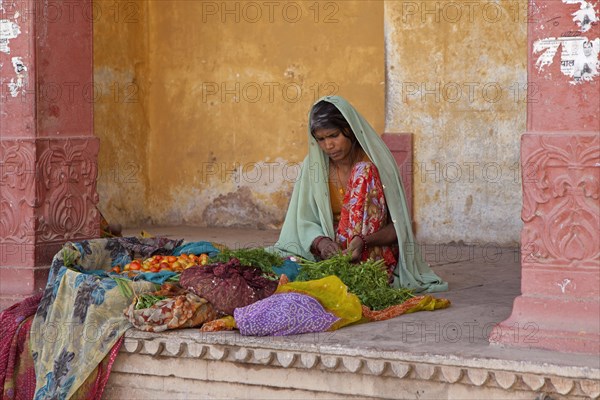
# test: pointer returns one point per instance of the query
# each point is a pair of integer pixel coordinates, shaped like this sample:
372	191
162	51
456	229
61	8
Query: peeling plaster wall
456	78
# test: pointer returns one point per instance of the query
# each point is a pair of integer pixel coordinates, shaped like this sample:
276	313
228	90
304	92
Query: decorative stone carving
308	360
197	350
17	191
330	362
174	349
563	385
47	150
376	368
220	352
67	196
506	380
425	371
286	359
559	308
132	346
452	374
561	191
478	377
352	364
534	382
154	347
590	388
242	354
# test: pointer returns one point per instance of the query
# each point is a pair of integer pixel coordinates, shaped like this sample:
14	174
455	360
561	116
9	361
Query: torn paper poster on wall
21	80
549	47
8	30
578	56
585	16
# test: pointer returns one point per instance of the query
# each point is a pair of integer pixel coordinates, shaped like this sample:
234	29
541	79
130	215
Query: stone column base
559	308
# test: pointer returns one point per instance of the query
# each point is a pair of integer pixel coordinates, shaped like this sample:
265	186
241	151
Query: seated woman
349	198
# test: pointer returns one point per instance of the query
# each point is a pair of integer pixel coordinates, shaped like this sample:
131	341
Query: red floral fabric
185	310
364	212
17	375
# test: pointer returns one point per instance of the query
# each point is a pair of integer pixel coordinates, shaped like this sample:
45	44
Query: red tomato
164	265
135	265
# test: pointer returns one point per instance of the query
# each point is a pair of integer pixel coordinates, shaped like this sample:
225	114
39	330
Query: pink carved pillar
401	147
48	154
559	307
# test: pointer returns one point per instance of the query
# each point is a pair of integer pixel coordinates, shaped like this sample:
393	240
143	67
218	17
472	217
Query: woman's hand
325	248
355	248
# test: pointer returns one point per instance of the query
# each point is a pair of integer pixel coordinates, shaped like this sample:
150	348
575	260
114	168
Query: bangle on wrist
359	235
316	244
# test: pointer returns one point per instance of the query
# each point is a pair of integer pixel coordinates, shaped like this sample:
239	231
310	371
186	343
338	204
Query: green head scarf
309	214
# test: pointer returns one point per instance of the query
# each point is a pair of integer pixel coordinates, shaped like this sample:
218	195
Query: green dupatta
309	214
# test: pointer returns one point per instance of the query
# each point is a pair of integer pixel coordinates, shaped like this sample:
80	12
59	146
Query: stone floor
483	282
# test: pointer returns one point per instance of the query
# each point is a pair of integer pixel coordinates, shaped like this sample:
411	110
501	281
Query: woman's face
335	145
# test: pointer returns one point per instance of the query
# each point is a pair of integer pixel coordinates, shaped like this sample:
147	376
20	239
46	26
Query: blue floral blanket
80	316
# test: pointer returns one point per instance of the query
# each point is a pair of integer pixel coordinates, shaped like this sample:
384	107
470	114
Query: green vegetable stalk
147	301
368	280
124	287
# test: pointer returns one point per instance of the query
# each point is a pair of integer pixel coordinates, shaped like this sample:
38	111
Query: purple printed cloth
283	314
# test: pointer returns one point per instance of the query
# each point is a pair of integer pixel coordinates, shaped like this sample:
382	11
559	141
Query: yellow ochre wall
457	79
225	88
120	113
217	126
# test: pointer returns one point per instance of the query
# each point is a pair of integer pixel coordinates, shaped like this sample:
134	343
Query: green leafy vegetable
69	256
147	300
124	287
367	280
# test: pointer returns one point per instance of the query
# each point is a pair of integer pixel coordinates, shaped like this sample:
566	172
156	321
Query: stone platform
426	355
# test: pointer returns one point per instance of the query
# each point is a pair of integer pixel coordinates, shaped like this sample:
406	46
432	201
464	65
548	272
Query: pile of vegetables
367	280
164	263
